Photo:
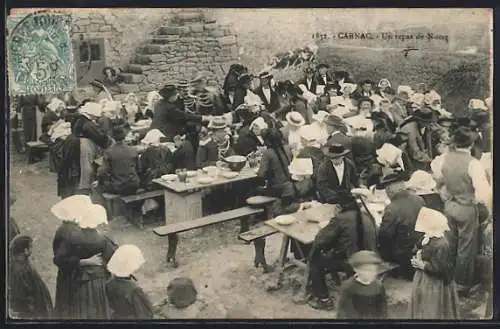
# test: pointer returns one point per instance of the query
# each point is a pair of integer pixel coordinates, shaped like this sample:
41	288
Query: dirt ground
220	265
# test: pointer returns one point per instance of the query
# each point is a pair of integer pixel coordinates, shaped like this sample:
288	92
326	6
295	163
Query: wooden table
183	200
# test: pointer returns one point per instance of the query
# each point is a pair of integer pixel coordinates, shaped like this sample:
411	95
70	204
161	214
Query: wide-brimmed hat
423	115
421	182
92	216
295	119
217	123
431	221
364	257
91	109
462	137
69	208
265	75
394	176
168	90
153	137
181	292
322	65
127	259
334	151
19	243
310	133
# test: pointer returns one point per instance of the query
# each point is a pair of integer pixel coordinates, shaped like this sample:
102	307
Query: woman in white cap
294	120
75	173
80	253
126	299
423	184
50	117
131	106
318	123
434	294
250	138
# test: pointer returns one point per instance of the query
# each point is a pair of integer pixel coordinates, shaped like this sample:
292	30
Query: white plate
229	174
209	168
285	220
169	177
206	180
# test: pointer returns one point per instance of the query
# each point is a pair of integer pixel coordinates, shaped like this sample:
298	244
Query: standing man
267	93
419	138
466	189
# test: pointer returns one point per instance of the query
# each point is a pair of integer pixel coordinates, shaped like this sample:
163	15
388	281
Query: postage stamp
40	55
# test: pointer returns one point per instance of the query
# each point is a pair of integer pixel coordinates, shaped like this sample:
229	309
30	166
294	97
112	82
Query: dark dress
29	297
359	301
171	119
127	300
156	161
247	142
433	201
80	290
183	157
434	294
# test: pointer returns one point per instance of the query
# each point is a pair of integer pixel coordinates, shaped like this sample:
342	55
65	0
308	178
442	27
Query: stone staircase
188	43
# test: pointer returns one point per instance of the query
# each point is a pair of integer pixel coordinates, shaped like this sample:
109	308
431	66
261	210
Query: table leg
179	208
282	260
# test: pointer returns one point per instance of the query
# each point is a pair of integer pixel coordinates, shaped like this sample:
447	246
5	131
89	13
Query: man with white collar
465	189
267	93
336	176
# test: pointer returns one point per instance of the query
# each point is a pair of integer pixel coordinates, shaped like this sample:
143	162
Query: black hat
463	137
423	115
334	151
364	257
168	90
393	177
19	243
245	77
265	75
399	138
319	66
367	81
365	99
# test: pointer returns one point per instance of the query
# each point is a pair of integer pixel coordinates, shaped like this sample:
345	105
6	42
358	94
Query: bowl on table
212	171
236	162
169	177
206	180
229	174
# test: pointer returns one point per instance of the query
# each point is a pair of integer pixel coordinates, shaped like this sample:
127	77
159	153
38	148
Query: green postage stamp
40	55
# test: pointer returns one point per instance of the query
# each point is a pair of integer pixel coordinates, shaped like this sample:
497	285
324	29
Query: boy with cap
397	236
29	297
363	296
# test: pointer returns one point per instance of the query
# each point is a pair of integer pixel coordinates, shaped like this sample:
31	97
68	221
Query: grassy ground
219	264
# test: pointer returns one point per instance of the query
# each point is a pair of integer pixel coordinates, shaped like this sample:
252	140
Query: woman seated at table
118	173
183	157
156	160
215	143
349	231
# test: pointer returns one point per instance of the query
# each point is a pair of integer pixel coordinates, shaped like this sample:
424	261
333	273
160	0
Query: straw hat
388	154
477	104
92	217
181	292
55	104
364	257
126	260
421	182
320	116
70	207
431	222
295	119
91	109
309	133
153	137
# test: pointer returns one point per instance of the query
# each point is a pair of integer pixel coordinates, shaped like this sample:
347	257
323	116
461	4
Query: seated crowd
315	139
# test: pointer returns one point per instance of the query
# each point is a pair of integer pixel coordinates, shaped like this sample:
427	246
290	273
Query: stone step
132	78
187	16
155	48
135	68
141	59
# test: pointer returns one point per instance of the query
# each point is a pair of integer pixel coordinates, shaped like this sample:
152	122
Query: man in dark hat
469	194
420	135
169	118
336	176
397	236
322	76
337	131
308	81
29	297
267	93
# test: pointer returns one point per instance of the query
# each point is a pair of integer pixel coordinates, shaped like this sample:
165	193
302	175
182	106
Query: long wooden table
183	200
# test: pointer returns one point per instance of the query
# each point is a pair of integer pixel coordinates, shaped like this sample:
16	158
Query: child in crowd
29	297
126	298
363	296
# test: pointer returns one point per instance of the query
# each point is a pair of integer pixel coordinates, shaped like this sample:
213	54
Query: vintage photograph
232	163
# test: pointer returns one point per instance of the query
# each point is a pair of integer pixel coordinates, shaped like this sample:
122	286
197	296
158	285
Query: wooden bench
35	147
260	231
171	230
132	215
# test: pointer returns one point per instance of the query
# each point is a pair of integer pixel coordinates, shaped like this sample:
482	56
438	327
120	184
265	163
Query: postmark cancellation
40	55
